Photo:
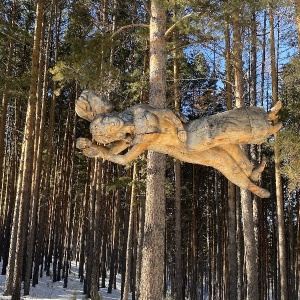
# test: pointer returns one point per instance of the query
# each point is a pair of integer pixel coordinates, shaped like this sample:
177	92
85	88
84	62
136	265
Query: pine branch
170	29
128	26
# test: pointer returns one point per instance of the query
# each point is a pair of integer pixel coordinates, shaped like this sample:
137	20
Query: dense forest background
57	206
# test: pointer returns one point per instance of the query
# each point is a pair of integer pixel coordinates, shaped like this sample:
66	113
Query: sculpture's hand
82	143
91	150
95	151
101	151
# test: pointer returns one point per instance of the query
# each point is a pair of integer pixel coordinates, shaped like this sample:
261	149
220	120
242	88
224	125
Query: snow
46	289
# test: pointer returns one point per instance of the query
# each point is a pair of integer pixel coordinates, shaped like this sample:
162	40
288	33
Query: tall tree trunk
278	179
246	202
194	236
255	150
125	231
25	172
45	208
132	213
263	59
93	253
140	247
152	280
116	226
39	144
232	246
38	178
84	224
177	174
7	82
70	188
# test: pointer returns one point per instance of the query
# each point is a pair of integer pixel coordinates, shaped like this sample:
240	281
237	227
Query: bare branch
170	29
128	26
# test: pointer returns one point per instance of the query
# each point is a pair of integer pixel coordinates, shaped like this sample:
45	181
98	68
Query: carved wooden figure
212	141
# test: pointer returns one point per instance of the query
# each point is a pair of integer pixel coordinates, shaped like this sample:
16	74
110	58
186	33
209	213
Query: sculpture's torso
239	126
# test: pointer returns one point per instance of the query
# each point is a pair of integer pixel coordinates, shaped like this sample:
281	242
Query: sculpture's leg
275	128
260	192
272	115
258	170
240	157
222	161
242	160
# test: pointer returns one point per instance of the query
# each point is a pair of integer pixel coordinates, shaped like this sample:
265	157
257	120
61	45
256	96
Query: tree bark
278	179
93	254
115	246
5	96
177	174
246	201
25	172
39	143
231	214
152	279
132	213
140	247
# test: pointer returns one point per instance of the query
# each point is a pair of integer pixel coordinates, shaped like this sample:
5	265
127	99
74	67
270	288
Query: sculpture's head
89	105
107	128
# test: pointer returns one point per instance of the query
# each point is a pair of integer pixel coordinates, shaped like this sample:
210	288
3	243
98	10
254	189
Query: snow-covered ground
46	289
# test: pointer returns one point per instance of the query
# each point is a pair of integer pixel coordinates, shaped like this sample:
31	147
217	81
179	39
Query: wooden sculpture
212	141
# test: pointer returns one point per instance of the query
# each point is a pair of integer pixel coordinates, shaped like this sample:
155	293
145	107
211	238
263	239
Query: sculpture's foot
258	170
275	128
83	143
182	135
274	111
258	191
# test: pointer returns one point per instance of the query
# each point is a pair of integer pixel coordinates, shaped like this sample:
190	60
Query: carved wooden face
89	105
107	128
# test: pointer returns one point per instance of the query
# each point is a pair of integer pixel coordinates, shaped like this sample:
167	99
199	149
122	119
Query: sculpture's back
249	125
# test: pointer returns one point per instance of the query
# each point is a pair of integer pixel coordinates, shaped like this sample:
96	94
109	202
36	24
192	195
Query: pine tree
25	172
152	280
246	203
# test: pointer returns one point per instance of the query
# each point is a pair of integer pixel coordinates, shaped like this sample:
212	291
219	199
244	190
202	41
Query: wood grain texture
212	141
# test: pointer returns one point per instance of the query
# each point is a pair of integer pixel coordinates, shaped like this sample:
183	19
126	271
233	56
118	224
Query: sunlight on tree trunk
246	201
25	172
152	278
278	179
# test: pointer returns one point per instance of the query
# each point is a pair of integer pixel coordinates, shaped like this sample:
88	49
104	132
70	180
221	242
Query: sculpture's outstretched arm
92	150
113	148
117	147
